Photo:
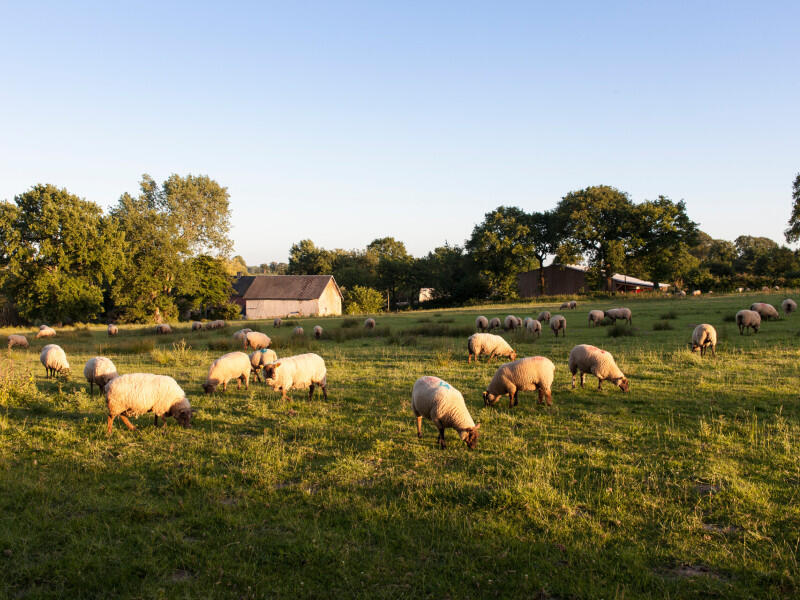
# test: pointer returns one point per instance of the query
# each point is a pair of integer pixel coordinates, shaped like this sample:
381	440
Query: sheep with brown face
704	336
600	363
559	323
234	365
54	360
488	343
297	372
435	399
135	394
523	375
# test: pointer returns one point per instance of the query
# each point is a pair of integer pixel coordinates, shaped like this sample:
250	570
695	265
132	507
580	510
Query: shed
571	279
270	296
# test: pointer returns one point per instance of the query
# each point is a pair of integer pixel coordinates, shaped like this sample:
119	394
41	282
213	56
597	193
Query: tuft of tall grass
729	318
662	326
668	315
621	331
130	346
349	323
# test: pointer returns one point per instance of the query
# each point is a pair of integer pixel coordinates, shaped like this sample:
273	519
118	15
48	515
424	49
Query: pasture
687	486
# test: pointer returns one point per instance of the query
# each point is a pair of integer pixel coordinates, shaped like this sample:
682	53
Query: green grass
685	487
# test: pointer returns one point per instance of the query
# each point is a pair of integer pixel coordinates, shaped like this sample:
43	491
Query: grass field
687	486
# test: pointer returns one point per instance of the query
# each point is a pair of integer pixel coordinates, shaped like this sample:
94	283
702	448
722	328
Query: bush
348	323
229	311
669	315
729	318
620	331
360	299
662	326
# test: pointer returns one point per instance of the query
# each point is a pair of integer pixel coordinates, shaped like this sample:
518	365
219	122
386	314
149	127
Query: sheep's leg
573	381
714	351
155	420
239	382
419	426
109	424
224	386
583	378
442	443
469	358
310	391
91	388
541	395
599	384
256	376
128	424
325	391
491	356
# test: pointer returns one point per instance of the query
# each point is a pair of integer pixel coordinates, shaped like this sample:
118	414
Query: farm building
270	296
571	279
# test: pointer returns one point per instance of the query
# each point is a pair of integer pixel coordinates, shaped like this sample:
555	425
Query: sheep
277	323
298	331
596	317
544	316
620	313
682	293
481	323
45	332
241	335
99	370
534	326
297	372
163	328
494	323
17	340
523	375
488	343
260	358
135	394
435	399
697	293
767	311
112	330
788	306
558	323
54	360
510	322
564	305
369	323
256	340
573	304
704	336
234	365
218	324
600	363
747	319
197	326
317	331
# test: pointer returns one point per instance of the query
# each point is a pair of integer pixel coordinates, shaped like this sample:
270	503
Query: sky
343	122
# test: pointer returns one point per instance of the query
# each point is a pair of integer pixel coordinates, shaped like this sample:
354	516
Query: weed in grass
349	323
662	326
621	331
669	315
729	318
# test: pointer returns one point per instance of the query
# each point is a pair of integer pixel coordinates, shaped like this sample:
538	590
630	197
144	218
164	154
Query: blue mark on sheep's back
444	384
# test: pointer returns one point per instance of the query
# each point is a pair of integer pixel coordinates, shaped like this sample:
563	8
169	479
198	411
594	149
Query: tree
543	235
206	285
666	234
451	272
393	264
306	259
793	232
360	299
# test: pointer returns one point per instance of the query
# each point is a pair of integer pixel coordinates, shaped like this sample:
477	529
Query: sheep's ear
276	364
478	426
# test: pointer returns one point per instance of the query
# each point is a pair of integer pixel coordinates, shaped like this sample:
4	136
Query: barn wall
330	303
269	309
558	280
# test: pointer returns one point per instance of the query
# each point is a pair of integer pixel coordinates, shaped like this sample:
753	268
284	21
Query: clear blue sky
343	122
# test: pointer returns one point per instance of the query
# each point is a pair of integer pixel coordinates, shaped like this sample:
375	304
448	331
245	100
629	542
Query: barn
270	296
571	279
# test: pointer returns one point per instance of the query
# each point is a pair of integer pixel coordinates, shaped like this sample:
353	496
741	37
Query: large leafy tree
451	272
206	285
393	265
544	228
666	233
793	232
306	259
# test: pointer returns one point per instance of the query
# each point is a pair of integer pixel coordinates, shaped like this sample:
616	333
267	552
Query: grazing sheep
135	394
488	343
197	326
241	336
317	331
767	311
544	316
369	323
99	370
17	340
234	365
297	372
682	293
558	323
435	399
573	304
218	324
256	340
298	331
494	323
564	305
277	323
510	322
261	358
482	324
697	293
45	332
163	328
747	319
704	336
112	329
788	306
620	313
534	326
523	375
600	363
54	360
596	317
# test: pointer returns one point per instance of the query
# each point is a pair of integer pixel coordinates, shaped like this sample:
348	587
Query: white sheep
197	326
99	370
163	328
748	319
435	399
54	360
261	358
297	372
534	326
218	324
510	322
559	323
704	336
596	317
523	375
544	316
697	293
45	332
369	323
277	323
573	304
241	336
135	394
234	365
256	340
112	330
482	323
600	363
317	331
767	311
788	306
620	313
488	343
298	331
494	323
17	340
564	305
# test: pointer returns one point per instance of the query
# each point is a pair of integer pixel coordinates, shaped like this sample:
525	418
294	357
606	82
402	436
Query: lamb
112	330
256	340
600	363
435	399
99	370
135	394
17	340
620	313
596	317
510	322
523	375
317	331
369	323
45	332
297	372
197	326
276	323
544	316
767	311
298	331
704	336
163	328
260	358
747	319
558	323
788	306
54	360
494	323
488	343
481	323
234	365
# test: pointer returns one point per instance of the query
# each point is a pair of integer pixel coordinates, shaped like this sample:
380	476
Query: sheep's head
490	399
182	413
270	370
210	386
513	355
471	436
623	384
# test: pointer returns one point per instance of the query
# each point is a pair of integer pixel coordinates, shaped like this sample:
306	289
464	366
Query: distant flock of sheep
134	394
